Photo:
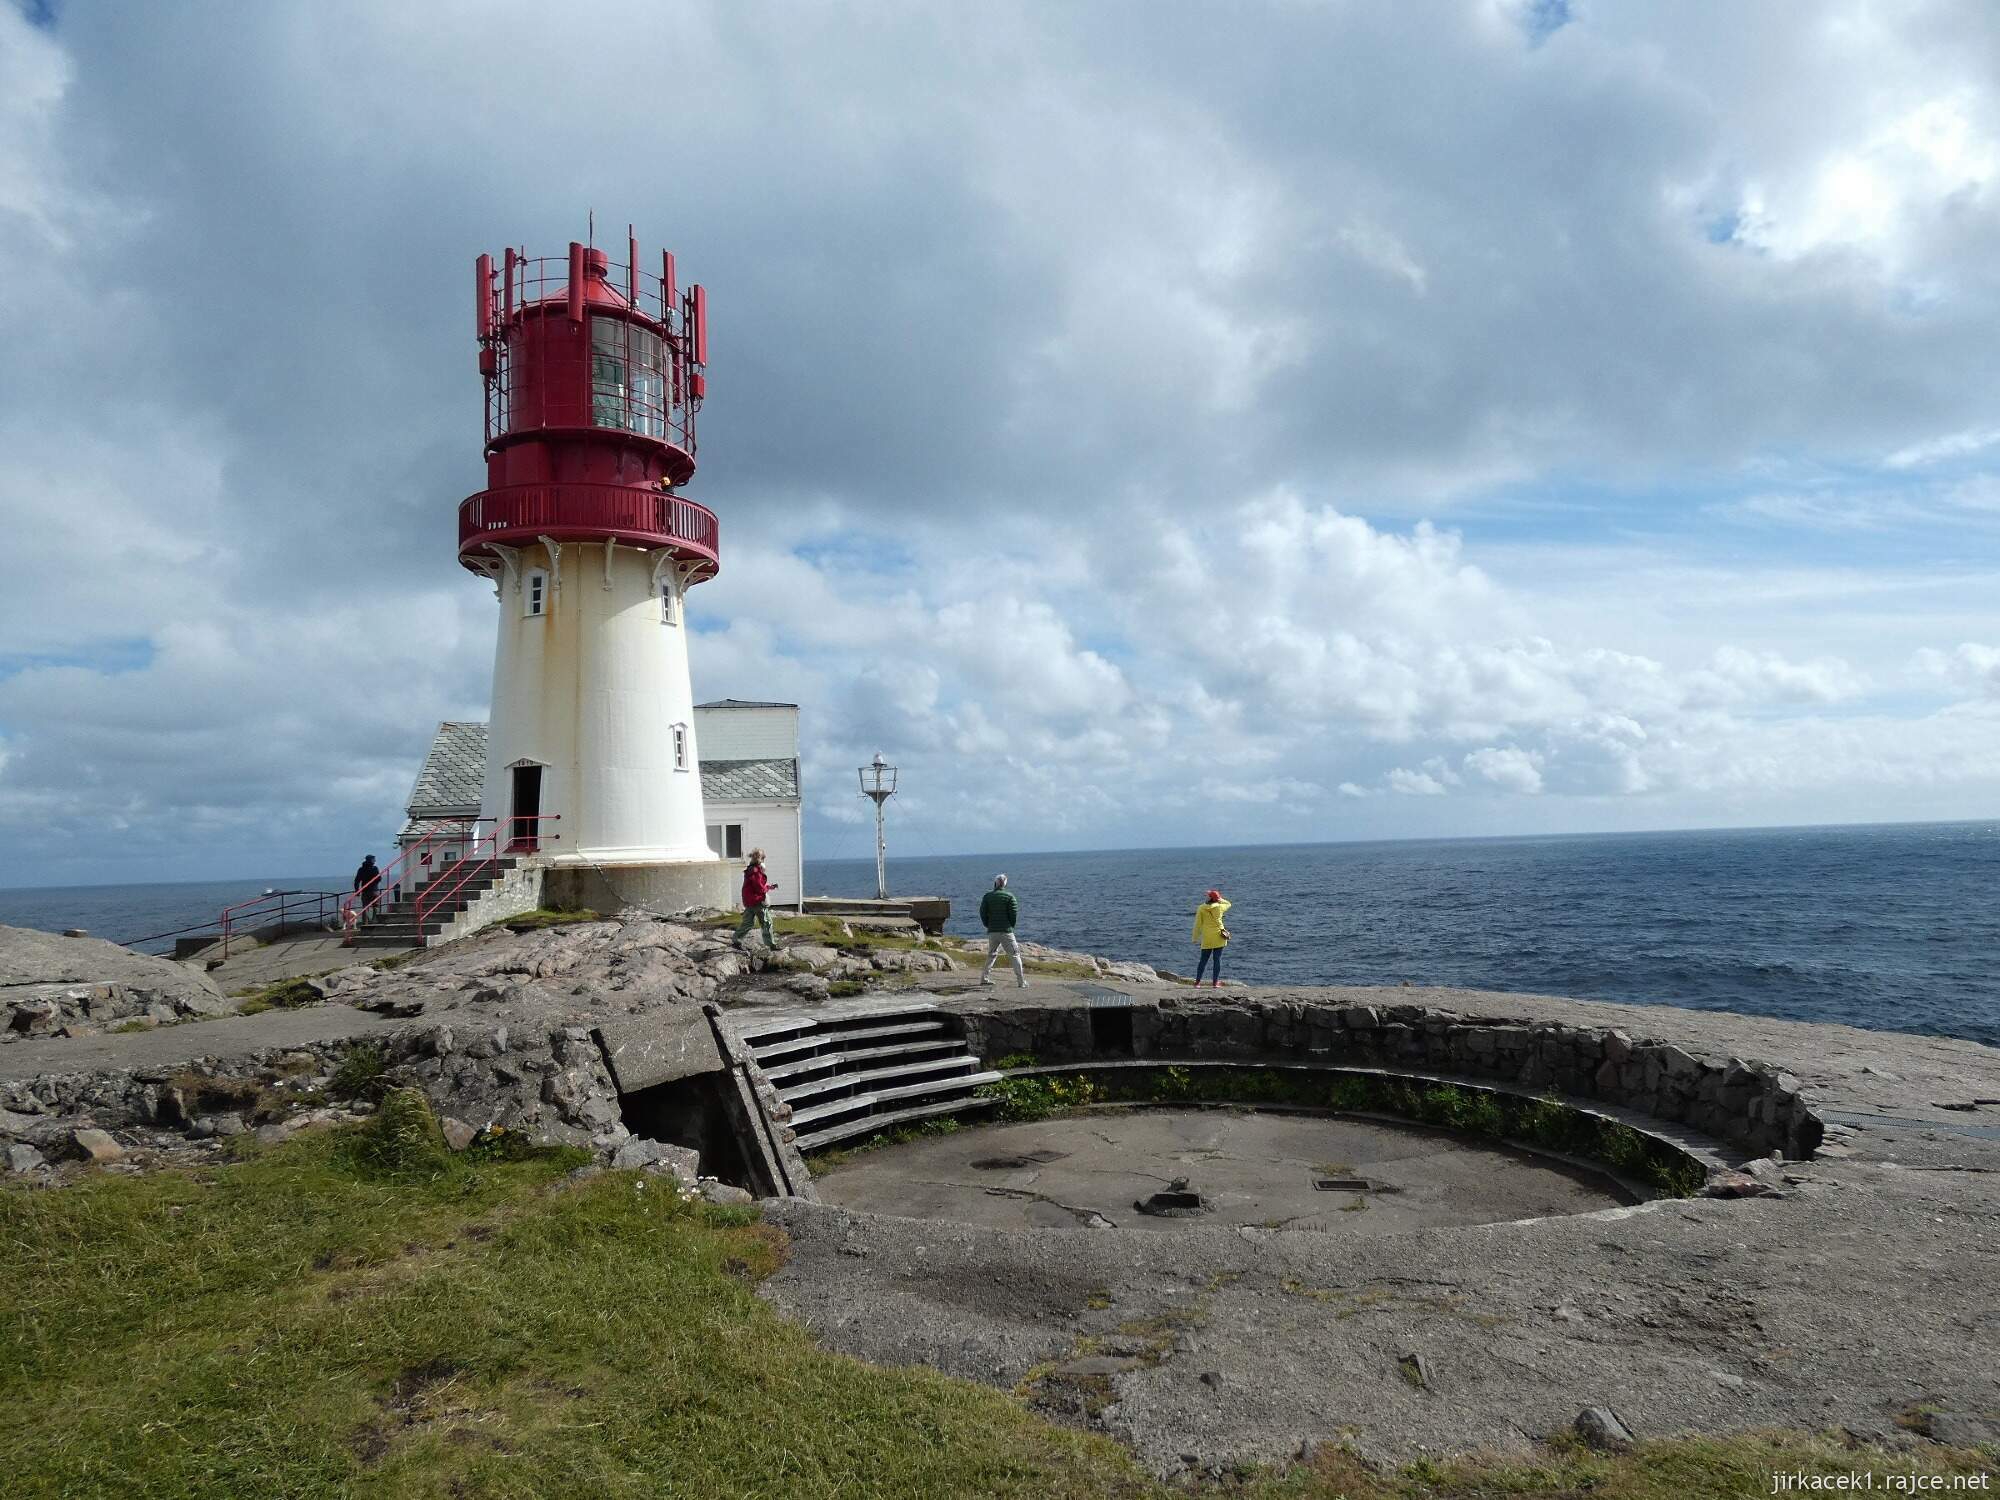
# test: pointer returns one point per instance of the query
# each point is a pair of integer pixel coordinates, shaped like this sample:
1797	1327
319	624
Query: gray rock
1601	1427
808	986
94	1146
1962	1429
457	1134
1416	1369
726	1194
21	1157
60	980
226	1125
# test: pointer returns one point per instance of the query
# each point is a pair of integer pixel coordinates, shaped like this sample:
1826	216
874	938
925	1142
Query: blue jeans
1202	964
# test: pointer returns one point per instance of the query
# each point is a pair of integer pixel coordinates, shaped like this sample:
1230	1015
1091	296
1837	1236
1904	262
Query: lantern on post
878	784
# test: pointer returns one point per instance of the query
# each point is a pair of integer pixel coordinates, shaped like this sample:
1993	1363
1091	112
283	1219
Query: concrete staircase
851	1075
396	925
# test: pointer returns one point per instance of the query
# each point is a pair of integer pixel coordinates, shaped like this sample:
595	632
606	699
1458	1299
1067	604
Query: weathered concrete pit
1340	1176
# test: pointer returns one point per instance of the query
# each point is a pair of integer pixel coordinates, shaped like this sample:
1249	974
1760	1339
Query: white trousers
996	944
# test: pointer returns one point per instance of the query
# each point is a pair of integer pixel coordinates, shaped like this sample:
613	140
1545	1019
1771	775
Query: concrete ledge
1752	1106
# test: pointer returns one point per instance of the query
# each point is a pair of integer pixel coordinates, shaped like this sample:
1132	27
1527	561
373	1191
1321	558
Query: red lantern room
593	374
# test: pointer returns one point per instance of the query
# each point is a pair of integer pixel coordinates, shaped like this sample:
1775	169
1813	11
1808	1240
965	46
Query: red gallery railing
518	514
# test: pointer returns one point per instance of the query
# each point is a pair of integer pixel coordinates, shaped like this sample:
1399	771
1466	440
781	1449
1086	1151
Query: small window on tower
669	603
681	757
535	593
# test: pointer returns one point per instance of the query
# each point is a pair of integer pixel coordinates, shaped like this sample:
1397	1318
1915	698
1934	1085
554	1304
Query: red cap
1215	895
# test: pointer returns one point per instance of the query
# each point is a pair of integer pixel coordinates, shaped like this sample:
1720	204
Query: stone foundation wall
1751	1105
667	888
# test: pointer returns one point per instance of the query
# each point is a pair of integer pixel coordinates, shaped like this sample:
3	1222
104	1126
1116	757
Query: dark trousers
1202	964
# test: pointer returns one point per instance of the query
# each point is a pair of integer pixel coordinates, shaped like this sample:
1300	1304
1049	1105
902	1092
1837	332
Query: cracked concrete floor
1254	1169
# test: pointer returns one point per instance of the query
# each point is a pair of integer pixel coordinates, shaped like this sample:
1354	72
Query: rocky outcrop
68	986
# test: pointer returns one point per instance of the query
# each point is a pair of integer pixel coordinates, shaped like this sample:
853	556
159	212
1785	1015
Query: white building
750	787
749	778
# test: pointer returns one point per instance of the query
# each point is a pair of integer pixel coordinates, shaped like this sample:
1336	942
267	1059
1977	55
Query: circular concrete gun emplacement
1166	1168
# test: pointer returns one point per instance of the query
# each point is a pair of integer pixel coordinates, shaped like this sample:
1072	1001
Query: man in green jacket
999	911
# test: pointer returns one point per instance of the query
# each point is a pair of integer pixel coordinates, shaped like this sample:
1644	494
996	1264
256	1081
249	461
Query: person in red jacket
757	888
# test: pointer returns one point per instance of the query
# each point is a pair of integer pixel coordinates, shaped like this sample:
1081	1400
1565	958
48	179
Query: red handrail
447	885
449	830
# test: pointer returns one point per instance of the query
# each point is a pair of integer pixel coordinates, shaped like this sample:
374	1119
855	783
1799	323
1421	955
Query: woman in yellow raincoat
1210	935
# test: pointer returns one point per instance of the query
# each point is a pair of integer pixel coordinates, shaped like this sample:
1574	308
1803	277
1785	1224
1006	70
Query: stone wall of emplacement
1753	1107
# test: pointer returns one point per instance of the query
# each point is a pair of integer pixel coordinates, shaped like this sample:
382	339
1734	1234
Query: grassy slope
293	1325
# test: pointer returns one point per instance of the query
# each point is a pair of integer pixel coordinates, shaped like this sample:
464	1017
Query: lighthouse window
680	747
668	607
535	593
628	379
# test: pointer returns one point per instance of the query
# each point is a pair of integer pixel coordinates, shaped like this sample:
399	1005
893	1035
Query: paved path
174	1046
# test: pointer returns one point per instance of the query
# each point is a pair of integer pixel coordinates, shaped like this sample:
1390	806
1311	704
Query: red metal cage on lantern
593	373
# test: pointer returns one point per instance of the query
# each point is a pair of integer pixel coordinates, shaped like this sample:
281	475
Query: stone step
936	1068
761	1031
869	1124
805	1065
817	1039
868	1101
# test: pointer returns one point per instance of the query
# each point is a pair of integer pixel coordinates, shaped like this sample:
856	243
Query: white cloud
1508	767
1969	668
1077	457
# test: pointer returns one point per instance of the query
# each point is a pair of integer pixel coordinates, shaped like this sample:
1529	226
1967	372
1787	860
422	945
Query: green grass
304	1324
348	1316
285	994
1548	1123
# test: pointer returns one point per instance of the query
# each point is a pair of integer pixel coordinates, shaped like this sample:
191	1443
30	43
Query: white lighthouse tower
593	375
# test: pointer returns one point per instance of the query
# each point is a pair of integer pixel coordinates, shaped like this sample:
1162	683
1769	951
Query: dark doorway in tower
527	806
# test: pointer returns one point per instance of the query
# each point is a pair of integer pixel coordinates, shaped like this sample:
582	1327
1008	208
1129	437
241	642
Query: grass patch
544	916
302	1324
359	1073
285	994
1547	1123
845	989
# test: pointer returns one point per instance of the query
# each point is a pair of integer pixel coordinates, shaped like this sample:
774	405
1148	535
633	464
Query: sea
1893	927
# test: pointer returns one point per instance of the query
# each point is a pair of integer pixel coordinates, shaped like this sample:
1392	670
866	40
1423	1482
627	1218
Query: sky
1146	425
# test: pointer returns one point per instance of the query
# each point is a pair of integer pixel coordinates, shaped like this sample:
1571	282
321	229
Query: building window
681	756
535	593
726	839
628	383
669	603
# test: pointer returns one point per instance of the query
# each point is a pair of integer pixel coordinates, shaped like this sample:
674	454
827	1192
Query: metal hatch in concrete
1249	1169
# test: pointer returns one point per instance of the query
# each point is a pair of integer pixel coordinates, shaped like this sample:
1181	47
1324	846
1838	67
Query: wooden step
806	1065
869	1100
869	1124
936	1066
816	1039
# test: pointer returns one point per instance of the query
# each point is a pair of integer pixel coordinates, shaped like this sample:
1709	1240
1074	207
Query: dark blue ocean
1896	927
1891	927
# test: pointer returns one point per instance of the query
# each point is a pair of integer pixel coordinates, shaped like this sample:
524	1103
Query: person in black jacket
367	885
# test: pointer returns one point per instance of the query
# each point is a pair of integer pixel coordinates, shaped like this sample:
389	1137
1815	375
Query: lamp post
878	784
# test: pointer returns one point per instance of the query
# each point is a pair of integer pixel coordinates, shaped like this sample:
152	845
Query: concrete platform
1253	1169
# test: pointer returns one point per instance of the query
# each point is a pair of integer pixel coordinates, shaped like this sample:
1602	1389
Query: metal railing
444	833
647	517
524	835
277	909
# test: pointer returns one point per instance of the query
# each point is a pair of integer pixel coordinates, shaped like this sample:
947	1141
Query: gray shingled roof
745	780
454	773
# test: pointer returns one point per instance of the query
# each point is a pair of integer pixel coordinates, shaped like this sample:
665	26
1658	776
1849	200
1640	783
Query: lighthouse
593	373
